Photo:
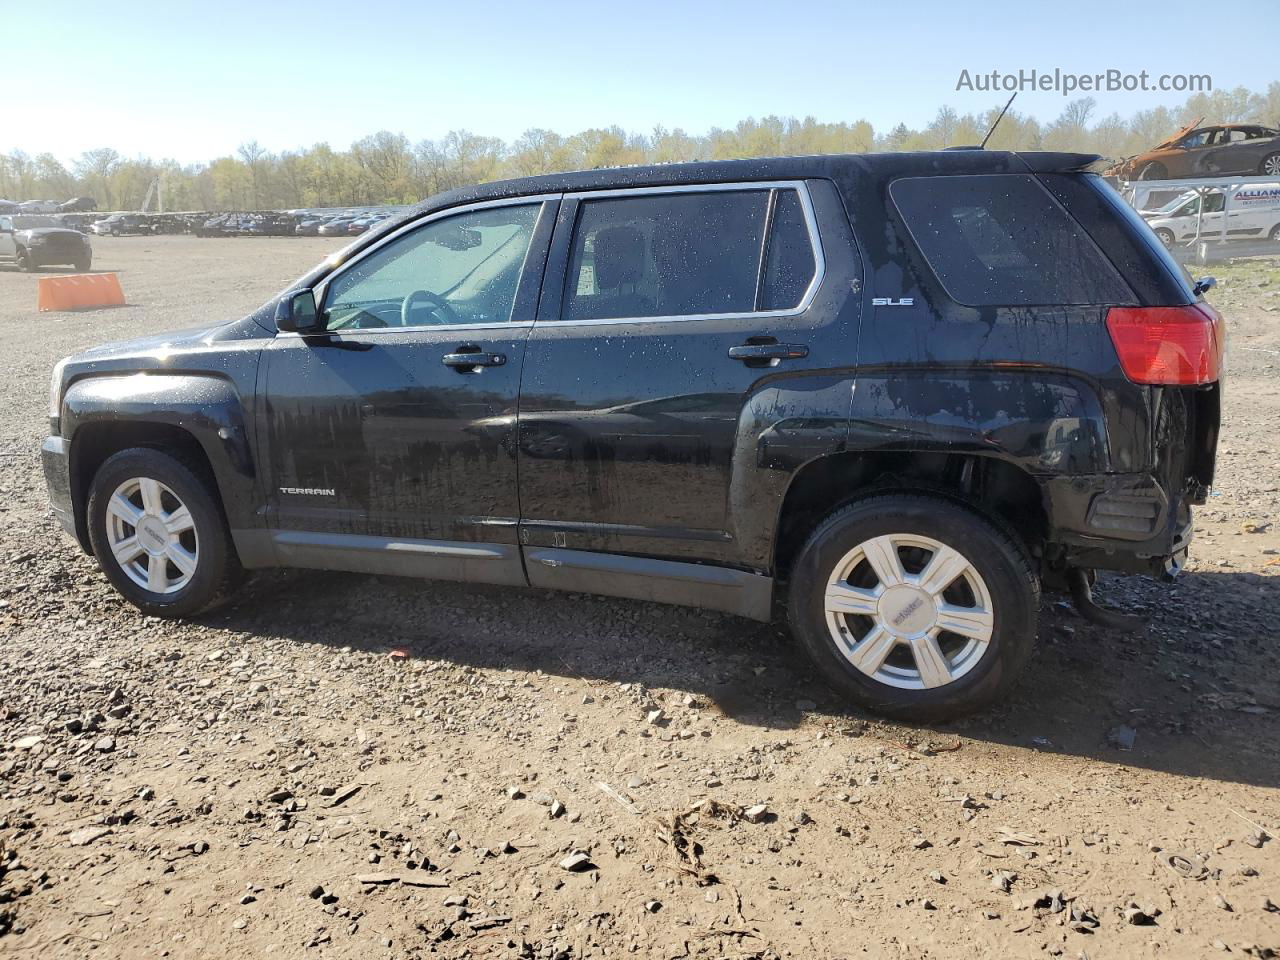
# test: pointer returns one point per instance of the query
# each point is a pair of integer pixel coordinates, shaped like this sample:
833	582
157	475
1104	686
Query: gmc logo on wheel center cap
907	611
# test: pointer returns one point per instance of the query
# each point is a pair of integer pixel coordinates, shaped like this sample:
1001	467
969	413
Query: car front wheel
1166	236
1270	166
159	534
914	607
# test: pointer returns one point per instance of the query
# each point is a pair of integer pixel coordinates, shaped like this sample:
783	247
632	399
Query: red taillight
1173	346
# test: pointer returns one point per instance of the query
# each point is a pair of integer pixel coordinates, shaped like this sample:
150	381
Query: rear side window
789	263
1002	240
689	254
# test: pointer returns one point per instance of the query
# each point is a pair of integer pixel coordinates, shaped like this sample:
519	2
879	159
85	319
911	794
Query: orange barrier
79	291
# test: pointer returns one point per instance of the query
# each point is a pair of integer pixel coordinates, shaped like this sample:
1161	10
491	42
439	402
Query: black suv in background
893	394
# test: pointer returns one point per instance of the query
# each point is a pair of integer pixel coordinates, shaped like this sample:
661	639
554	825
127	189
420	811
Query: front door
390	437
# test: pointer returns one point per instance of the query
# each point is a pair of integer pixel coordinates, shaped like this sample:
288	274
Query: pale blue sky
193	80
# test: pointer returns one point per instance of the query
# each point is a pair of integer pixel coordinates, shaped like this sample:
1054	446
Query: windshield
1175	203
32	223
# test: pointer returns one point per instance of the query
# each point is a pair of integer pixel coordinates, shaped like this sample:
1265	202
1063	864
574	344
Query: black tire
217	570
1270	165
25	263
83	265
1166	236
1153	171
1000	561
1274	235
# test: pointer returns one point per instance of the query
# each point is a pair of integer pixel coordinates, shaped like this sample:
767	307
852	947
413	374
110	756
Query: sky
192	81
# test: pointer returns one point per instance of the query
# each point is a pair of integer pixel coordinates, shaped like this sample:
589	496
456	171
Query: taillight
1172	346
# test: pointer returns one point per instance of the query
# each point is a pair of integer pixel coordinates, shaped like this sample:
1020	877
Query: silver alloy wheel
152	535
909	611
1271	165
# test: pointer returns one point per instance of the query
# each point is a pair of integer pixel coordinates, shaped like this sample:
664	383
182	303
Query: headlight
55	389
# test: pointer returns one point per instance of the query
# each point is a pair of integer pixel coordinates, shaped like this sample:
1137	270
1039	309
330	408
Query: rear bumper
1122	522
55	455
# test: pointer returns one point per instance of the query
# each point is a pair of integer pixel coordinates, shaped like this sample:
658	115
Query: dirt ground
348	766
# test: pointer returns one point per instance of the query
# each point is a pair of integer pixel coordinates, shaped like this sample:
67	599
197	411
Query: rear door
670	320
390	438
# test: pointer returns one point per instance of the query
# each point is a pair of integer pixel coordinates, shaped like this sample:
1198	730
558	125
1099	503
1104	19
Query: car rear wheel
25	262
159	534
83	264
1153	171
1274	235
914	607
1270	166
1166	236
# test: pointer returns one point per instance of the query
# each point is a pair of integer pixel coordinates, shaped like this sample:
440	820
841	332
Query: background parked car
1238	149
78	204
336	227
309	226
123	225
1252	212
33	241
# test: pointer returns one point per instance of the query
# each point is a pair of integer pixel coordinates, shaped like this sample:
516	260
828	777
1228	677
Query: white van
1252	212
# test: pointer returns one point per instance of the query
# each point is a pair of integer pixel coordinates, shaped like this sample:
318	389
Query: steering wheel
437	303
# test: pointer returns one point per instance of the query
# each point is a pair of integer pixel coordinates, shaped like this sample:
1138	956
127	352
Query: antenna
983	145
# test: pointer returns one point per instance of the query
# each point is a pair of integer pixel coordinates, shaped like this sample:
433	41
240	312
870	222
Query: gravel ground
341	766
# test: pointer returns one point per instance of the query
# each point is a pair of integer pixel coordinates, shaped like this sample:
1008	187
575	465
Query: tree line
387	167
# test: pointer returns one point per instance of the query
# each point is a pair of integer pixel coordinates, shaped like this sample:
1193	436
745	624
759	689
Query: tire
1270	165
1166	236
25	263
173	481
83	265
1274	235
996	582
1153	171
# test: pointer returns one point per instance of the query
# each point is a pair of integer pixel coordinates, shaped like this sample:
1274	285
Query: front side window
457	270
689	254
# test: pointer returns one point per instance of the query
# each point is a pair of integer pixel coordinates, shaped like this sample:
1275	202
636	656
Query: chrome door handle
469	360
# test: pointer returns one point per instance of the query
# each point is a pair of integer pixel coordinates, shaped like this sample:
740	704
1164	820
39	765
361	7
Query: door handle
469	359
767	354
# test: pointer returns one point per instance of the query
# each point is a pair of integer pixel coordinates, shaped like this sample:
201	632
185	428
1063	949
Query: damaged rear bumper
1122	522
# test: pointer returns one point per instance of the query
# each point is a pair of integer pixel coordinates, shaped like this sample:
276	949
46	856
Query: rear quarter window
1002	240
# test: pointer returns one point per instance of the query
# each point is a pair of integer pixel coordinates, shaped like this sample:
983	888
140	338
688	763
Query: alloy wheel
909	611
1271	166
152	535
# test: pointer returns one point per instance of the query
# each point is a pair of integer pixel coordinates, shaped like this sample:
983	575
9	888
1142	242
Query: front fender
204	406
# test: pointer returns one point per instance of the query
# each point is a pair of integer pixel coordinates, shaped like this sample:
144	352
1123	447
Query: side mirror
1204	285
296	312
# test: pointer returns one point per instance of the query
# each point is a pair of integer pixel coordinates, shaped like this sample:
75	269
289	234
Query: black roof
874	165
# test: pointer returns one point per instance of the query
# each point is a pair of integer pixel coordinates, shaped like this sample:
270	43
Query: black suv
894	394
